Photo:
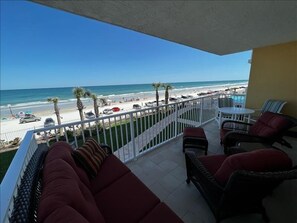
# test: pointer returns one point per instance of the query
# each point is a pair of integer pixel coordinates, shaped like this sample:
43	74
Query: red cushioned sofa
114	195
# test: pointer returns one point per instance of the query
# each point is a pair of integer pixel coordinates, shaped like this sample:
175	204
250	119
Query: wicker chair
268	129
244	191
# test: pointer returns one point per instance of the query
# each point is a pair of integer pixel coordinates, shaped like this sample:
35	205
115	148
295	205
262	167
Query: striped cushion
90	156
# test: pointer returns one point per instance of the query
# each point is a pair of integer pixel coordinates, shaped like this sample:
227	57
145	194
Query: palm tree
167	87
55	100
79	92
95	100
156	87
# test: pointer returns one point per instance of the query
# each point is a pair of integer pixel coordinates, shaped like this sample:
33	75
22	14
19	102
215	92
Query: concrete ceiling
220	27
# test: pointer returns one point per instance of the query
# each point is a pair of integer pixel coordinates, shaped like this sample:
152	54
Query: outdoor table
235	113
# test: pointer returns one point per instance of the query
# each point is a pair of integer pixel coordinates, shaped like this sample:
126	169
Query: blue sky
44	47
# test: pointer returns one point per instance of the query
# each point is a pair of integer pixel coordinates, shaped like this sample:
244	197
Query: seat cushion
194	132
90	156
126	200
269	125
161	214
62	150
212	163
63	190
111	170
261	160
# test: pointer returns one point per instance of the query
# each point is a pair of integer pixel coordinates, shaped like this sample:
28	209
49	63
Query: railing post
176	119
201	111
132	131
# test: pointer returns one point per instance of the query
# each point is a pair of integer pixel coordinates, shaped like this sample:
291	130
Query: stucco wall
273	75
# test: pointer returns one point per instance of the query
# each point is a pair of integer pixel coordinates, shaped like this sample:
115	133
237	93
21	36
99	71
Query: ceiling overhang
219	27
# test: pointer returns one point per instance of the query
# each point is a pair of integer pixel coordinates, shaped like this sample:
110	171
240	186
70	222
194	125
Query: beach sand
11	128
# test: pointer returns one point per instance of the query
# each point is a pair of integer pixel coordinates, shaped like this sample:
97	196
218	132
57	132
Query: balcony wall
274	76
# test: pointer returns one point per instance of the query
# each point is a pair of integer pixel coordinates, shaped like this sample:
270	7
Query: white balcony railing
130	135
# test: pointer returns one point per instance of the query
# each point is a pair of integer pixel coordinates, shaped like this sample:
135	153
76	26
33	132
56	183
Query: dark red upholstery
105	176
114	195
126	196
194	132
269	125
62	189
261	160
194	137
212	163
268	129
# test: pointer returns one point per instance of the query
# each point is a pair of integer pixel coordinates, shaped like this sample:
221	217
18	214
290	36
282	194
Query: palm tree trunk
166	97
58	117
157	97
96	109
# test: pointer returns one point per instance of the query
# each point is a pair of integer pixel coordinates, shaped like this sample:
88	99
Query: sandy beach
11	128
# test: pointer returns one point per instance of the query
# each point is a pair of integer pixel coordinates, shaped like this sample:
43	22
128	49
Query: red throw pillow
90	156
261	160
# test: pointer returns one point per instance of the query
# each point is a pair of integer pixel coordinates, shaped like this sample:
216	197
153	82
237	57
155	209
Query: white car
108	111
90	115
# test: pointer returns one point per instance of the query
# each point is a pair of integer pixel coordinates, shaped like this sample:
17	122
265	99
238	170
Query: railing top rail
11	179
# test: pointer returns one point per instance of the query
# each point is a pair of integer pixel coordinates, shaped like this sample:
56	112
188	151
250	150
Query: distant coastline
27	98
121	98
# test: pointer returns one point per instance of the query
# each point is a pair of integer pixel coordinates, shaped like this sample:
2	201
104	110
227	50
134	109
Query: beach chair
270	105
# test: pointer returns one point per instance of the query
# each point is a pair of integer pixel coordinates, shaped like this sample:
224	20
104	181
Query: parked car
49	122
29	118
90	115
173	99
136	106
116	109
107	111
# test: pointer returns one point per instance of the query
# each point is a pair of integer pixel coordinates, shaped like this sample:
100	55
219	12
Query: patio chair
236	184
270	105
224	102
268	129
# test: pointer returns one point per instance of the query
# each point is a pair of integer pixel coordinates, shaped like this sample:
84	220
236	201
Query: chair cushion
90	156
269	125
212	163
261	160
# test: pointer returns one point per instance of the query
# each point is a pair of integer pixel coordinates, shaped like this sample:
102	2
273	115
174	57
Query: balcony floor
163	171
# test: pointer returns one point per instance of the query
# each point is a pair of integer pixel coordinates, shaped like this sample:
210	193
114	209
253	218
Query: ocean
24	99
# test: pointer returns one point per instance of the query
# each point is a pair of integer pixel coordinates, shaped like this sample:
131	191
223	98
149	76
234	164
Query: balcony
154	154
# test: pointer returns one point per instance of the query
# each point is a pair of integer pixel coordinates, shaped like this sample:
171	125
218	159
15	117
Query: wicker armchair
268	129
243	192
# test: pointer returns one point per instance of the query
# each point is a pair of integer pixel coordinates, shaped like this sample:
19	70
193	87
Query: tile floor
163	171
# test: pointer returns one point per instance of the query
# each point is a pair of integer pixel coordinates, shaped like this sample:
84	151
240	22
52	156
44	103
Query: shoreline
11	128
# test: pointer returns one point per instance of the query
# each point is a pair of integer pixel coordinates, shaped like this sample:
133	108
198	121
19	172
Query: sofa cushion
62	150
212	163
269	125
111	170
90	156
161	214
62	189
260	160
126	200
